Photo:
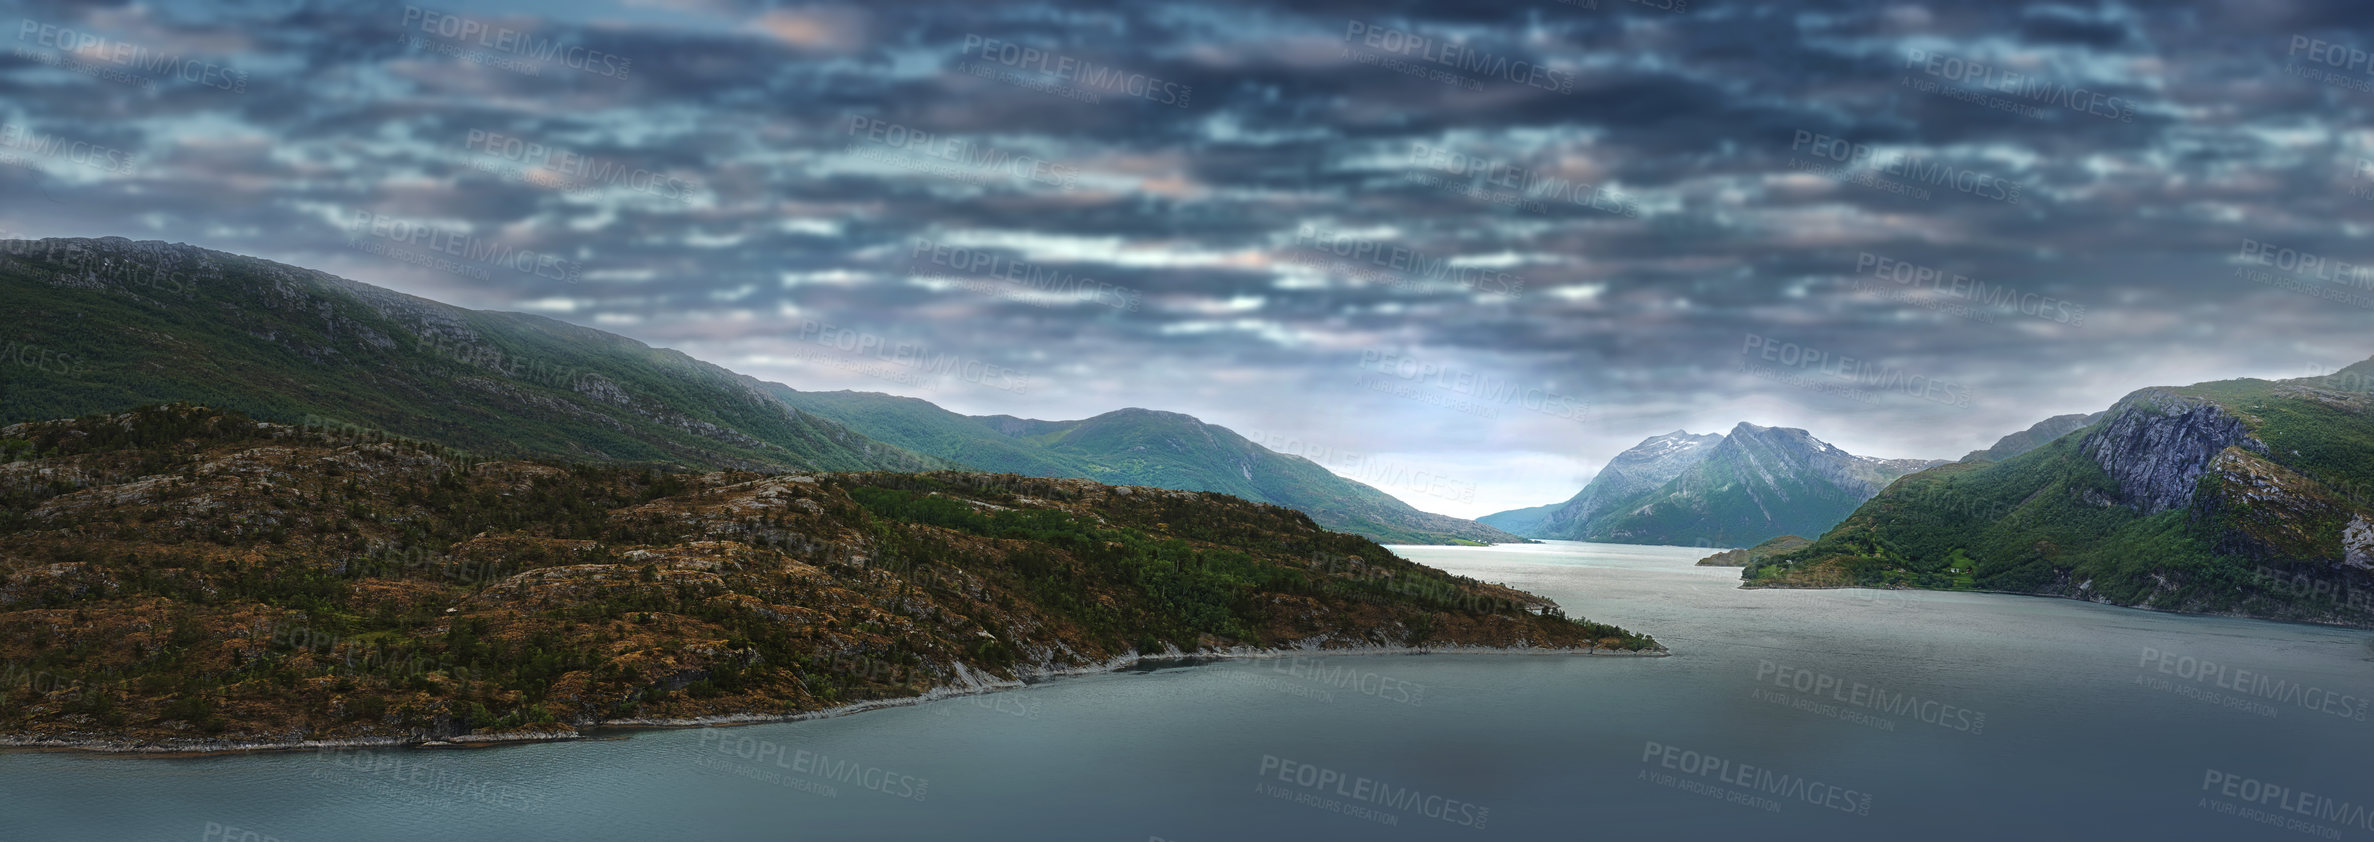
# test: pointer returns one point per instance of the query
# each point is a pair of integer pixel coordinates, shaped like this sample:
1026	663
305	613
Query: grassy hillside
2264	529
127	324
191	578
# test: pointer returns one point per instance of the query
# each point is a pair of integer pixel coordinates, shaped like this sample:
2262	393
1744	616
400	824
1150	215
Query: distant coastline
2360	625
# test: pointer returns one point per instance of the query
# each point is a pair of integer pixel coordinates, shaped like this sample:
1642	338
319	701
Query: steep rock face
2357	544
2158	443
1638	470
2240	497
2265	512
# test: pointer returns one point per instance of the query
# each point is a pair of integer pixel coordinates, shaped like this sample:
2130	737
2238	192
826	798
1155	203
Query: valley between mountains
248	505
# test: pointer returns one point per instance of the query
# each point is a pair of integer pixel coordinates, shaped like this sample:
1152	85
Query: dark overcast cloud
1586	212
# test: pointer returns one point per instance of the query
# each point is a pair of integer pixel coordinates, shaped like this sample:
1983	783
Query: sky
1463	251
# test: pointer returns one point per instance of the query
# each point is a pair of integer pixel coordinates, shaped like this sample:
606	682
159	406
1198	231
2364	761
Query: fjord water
1925	715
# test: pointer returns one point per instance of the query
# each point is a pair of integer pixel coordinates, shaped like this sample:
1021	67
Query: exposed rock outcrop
2357	544
2234	497
2157	444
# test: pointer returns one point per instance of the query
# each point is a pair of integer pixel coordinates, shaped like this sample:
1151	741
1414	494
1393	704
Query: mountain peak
1638	469
1144	413
1755	429
1657	448
1736	489
1747	432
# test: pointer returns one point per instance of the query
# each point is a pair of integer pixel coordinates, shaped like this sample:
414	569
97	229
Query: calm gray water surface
1783	715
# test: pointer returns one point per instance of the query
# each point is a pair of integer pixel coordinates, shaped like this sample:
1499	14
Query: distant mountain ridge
1739	489
2039	435
1633	473
1759	483
1638	470
1143	447
127	324
1525	521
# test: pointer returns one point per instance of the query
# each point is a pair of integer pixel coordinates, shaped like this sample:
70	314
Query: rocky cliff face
2238	497
2357	544
2265	512
2272	515
2158	443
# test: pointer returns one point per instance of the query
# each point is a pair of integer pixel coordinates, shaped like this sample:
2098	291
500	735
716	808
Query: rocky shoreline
970	683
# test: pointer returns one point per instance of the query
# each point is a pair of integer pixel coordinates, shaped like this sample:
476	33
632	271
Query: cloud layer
1469	250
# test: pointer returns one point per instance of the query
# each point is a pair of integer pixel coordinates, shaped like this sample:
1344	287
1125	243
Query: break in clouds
1448	238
